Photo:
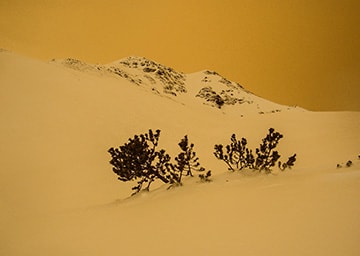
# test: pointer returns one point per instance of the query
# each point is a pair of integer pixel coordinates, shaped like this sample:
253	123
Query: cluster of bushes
238	156
348	164
140	159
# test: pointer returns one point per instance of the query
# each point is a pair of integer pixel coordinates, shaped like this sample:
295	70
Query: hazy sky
293	52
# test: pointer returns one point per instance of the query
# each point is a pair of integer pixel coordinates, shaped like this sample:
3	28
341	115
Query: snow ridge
206	87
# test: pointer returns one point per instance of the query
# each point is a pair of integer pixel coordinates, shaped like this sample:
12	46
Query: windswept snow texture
59	196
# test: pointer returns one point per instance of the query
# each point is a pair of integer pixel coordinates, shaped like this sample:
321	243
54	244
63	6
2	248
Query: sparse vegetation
348	164
289	164
238	156
140	160
205	177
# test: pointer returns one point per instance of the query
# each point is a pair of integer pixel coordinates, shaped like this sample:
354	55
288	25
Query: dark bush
186	161
140	160
289	164
266	155
238	156
349	163
205	177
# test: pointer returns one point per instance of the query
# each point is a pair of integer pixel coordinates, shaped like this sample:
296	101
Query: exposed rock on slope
173	82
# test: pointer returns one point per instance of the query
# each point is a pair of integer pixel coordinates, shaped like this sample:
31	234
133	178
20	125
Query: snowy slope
60	197
205	87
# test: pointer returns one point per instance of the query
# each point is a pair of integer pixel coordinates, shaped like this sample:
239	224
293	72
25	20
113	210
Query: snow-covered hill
59	196
205	87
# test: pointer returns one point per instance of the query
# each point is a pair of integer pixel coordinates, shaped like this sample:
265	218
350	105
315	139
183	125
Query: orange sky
296	52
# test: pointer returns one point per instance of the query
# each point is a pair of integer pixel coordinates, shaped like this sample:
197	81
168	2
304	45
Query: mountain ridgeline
204	87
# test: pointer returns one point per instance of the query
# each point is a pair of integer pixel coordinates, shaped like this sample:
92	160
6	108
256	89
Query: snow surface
59	196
